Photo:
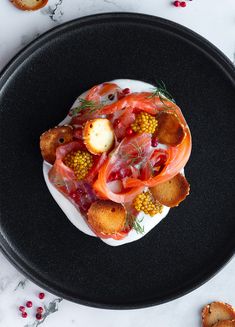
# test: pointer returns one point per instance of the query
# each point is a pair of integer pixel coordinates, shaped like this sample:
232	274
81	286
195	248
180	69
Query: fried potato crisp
171	192
170	130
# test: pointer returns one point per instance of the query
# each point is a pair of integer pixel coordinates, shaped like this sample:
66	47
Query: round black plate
36	90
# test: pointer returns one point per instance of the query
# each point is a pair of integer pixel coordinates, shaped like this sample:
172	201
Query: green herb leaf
161	91
88	105
133	222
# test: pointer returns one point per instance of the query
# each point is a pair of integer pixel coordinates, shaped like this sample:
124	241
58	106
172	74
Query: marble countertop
215	20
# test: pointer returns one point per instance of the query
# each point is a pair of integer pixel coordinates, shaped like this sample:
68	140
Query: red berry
126	91
183	4
154	142
176	3
21	308
41	295
38	316
116	122
24	314
129	131
39	310
29	304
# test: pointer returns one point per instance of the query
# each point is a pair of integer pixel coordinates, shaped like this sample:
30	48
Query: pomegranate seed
176	3
41	295
21	308
116	122
154	142
38	316
126	91
129	131
24	314
29	304
183	4
39	310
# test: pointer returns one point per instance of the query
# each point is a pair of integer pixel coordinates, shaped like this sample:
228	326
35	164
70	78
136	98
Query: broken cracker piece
170	131
171	192
215	312
29	4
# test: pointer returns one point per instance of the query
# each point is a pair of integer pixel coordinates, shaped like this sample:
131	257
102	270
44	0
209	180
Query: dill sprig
134	222
137	227
88	105
161	91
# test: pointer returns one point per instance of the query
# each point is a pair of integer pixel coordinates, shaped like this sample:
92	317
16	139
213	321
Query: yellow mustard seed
80	162
145	202
144	123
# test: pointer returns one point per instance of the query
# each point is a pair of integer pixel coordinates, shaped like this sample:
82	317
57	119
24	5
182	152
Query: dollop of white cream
146	222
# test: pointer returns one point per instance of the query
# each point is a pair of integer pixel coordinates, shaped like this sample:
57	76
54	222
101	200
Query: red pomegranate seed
116	122
24	314
21	308
183	4
41	295
154	142
126	91
38	316
29	304
39	310
129	131
176	3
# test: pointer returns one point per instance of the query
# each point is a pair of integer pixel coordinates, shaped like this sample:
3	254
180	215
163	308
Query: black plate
36	90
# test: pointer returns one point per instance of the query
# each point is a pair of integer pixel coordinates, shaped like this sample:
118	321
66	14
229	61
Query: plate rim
184	32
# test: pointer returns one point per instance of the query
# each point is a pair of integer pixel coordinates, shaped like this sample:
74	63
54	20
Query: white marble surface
213	19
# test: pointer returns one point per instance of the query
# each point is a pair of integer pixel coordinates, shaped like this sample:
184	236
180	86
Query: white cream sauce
146	221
